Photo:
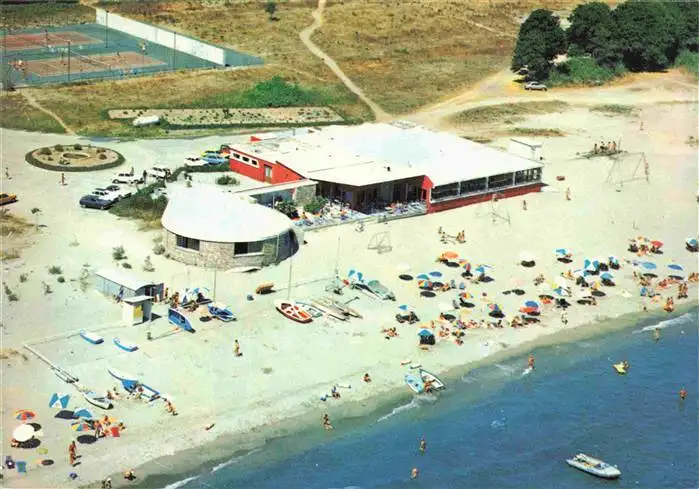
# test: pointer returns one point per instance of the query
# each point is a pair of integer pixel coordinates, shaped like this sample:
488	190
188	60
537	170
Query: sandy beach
286	367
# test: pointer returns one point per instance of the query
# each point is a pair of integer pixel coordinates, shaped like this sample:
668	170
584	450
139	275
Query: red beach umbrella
24	415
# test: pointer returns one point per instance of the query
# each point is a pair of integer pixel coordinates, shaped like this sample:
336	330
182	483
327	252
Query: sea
500	427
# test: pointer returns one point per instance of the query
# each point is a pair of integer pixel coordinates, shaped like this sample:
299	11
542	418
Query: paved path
306	34
32	101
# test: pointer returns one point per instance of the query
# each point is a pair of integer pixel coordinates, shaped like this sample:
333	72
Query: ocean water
498	427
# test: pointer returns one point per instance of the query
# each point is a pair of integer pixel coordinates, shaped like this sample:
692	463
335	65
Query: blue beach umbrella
562	252
482	268
423	276
83	413
58	399
649	265
425	332
675	266
607	276
693	242
436	274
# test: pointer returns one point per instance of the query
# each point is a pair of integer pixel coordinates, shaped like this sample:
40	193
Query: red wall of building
475	199
280	173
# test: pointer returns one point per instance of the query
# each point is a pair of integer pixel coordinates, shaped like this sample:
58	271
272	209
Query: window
188	243
525	176
445	191
246	159
253	161
236	156
500	181
473	186
268	171
248	248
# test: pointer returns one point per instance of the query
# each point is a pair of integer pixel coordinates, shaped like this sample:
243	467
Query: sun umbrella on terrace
83	413
23	432
435	274
81	426
450	255
648	265
24	415
675	266
59	400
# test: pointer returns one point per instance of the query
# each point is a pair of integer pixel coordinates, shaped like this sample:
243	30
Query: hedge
29	158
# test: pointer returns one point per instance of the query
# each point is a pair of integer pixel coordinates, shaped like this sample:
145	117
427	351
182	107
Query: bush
118	253
142	205
158	249
316	205
102	156
11	296
23	277
84	278
583	71
77	146
226	180
55	270
45	151
126	265
46	287
688	61
288	208
61	280
58	147
148	265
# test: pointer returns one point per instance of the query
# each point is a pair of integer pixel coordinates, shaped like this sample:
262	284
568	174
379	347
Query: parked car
159	172
121	193
95	202
127	178
7	198
214	159
535	86
195	161
105	194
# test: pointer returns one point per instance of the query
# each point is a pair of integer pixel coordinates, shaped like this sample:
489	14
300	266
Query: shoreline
208	456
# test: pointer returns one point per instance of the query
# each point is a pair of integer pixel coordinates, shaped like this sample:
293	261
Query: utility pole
106	28
288	290
69	42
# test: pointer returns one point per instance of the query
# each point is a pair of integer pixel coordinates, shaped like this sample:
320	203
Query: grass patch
533	131
141	205
617	109
18	114
55	270
478	139
9	254
583	71
226	180
11	225
46	14
688	62
511	112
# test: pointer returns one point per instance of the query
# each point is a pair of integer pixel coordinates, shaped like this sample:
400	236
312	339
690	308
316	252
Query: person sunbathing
366	378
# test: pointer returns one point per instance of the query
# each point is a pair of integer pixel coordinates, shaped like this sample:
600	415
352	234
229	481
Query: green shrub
45	151
58	147
46	287
118	253
583	71
688	61
61	280
316	205
55	270
142	205
148	265
126	265
226	180
77	146
102	156
11	296
287	207
158	249
23	277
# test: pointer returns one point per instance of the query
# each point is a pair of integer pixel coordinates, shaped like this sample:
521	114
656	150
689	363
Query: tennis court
63	54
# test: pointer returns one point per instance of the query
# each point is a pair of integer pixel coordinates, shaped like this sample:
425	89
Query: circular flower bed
74	158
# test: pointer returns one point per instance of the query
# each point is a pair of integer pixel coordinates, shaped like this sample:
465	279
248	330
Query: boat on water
90	337
431	381
293	311
97	400
621	368
594	466
329	309
125	345
422	381
415	383
310	308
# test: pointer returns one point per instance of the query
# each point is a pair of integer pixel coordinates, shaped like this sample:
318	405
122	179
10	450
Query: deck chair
22	467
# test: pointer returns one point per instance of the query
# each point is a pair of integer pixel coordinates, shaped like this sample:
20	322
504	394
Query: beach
276	385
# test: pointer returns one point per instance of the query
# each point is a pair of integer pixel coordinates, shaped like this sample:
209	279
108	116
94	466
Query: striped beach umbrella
24	415
59	400
81	426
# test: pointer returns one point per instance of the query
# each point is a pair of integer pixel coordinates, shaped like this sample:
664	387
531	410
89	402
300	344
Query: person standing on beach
568	193
7	173
72	453
236	349
423	446
63	179
683	393
564	318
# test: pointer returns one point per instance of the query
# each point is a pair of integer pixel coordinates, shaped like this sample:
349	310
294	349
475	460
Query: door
268	174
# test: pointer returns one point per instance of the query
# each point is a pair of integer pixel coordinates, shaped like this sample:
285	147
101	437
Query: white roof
373	153
207	213
138	298
123	278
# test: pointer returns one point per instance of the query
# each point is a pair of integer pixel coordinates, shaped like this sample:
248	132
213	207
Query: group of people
444	237
602	147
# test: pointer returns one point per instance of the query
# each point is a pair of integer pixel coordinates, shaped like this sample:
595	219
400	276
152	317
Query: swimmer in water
683	393
530	363
423	446
656	334
414	473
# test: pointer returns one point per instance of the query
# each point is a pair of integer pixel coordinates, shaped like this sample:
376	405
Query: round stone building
207	227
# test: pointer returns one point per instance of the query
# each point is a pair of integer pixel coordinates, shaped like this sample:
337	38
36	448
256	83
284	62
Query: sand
287	366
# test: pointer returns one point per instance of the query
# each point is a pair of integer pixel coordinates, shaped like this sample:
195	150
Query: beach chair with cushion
22	467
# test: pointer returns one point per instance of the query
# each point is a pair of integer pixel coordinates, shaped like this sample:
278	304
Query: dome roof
208	214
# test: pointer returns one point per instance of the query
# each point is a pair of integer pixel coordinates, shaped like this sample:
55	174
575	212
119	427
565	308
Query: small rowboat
432	382
415	383
312	310
97	400
594	466
293	311
125	345
90	337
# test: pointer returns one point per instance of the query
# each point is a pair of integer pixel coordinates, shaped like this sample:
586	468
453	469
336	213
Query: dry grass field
15	112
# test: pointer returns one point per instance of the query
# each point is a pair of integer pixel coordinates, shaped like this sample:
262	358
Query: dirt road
306	34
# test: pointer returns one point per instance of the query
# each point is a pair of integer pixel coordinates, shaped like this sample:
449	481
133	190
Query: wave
181	483
414	403
508	369
667	323
499	423
234	460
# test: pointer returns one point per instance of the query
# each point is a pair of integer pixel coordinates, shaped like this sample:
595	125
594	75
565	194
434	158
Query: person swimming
414	473
656	334
530	363
683	393
423	446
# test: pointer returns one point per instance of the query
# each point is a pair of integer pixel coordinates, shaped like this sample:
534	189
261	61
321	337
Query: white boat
97	400
341	306
310	308
594	466
329	310
432	382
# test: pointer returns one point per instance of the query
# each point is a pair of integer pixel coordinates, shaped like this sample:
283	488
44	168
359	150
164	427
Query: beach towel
22	467
115	431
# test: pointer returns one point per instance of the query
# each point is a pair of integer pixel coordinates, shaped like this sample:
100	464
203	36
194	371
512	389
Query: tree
539	41
271	9
591	32
36	211
647	33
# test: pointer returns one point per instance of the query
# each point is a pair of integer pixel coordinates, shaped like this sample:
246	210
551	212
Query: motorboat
332	304
293	311
415	383
221	312
97	400
125	345
621	367
422	381
91	337
431	381
180	320
380	290
310	308
594	466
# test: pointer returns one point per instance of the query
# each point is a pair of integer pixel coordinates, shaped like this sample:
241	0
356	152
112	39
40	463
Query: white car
121	193
195	161
106	195
535	86
127	178
159	172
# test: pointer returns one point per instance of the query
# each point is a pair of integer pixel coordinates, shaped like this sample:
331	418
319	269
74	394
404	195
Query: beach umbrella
675	266
657	244
613	259
425	332
23	432
423	276
436	274
462	261
481	269
58	399
403	267
402	309
24	415
529	307
607	276
649	265
466	295
693	242
83	413
81	426
424	284
494	307
450	255
563	253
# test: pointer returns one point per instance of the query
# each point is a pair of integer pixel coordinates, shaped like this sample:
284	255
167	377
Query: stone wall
210	254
